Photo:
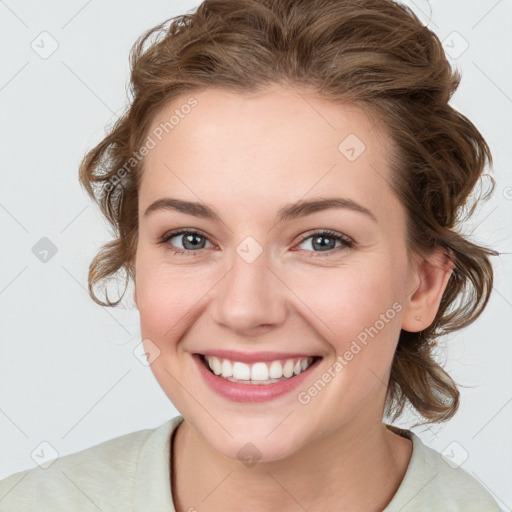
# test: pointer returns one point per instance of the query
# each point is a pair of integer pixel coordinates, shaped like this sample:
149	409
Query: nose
250	297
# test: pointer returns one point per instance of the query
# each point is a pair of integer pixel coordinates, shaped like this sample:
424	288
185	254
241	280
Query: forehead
279	141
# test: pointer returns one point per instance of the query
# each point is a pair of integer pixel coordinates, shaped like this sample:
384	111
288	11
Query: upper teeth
258	371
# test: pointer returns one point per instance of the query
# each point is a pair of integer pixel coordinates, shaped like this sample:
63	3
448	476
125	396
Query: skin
247	156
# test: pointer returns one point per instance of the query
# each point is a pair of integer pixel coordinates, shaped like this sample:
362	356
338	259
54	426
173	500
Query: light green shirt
132	473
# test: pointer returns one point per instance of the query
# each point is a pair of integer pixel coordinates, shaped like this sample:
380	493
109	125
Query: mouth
257	373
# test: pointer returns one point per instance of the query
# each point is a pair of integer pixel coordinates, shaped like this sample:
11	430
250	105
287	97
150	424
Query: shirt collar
152	486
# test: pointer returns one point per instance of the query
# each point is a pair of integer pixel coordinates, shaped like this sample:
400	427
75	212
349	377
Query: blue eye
318	241
194	241
190	240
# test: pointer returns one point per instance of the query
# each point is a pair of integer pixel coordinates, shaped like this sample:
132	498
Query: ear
426	287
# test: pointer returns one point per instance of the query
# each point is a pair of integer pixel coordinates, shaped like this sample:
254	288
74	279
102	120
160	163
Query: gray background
69	377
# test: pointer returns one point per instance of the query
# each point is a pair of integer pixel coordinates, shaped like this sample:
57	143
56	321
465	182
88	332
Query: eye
189	238
325	242
193	242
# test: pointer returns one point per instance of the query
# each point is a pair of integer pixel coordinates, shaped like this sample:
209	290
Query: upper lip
255	357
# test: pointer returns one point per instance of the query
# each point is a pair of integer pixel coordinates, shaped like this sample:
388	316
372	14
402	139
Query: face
247	277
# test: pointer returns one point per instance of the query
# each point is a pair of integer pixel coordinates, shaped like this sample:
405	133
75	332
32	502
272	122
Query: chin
249	452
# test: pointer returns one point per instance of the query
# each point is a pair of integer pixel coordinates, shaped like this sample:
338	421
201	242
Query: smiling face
258	277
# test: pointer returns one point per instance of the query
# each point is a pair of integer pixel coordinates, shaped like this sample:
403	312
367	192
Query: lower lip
250	392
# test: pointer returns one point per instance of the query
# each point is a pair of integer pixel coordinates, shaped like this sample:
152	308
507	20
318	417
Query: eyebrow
287	212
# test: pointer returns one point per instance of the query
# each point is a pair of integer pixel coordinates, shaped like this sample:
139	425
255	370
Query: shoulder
432	482
90	479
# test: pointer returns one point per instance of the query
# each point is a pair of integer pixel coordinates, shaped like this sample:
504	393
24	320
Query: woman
286	188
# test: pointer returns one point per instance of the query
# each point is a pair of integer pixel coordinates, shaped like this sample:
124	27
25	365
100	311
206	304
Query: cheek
341	302
356	309
166	295
348	297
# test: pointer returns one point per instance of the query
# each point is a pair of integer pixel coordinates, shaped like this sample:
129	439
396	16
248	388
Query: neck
356	468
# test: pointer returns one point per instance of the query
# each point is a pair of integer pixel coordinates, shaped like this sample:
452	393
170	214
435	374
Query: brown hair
373	53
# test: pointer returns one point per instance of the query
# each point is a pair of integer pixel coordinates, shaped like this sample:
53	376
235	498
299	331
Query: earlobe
431	278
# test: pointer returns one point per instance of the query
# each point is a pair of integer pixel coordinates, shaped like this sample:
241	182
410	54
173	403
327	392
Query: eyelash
347	243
